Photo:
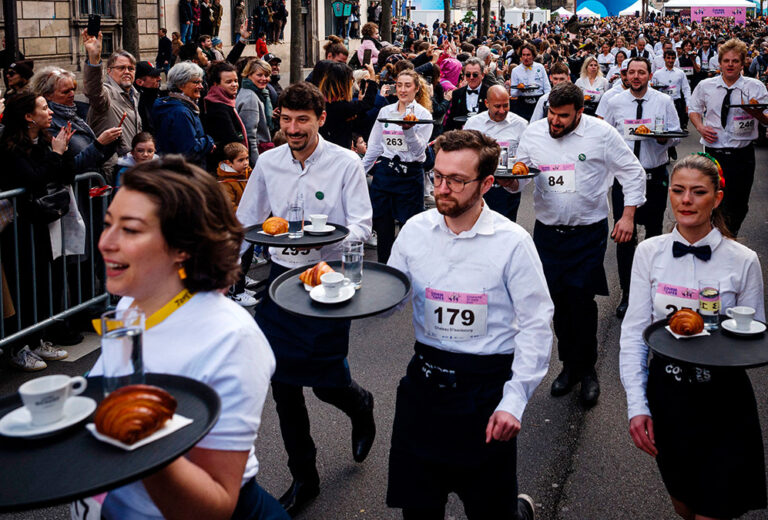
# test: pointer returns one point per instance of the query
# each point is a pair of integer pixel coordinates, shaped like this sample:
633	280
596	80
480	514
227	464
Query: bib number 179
466	316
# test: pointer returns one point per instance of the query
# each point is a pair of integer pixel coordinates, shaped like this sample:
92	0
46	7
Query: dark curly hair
195	217
302	96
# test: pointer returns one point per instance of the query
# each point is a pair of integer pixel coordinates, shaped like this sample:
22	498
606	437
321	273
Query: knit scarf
187	99
217	94
263	94
70	114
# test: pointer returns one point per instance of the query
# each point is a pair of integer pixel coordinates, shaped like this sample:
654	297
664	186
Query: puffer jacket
179	129
108	102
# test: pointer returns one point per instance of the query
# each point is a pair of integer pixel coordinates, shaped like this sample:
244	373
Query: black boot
590	389
564	382
300	494
621	310
363	431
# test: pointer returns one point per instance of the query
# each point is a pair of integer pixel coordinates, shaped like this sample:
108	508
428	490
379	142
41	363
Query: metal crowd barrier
88	284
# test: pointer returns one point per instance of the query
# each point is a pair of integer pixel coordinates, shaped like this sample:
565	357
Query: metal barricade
80	279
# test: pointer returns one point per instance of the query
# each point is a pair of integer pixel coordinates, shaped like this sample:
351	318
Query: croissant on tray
275	226
753	101
410	117
642	129
133	412
312	275
520	168
686	322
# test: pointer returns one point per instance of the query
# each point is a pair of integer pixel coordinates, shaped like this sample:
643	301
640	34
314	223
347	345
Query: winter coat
179	129
88	154
223	124
251	111
232	183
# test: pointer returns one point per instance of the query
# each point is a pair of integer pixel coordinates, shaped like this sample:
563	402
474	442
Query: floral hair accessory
717	164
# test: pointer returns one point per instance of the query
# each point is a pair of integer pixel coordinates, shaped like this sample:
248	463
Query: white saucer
308	287
18	423
322	231
318	294
756	327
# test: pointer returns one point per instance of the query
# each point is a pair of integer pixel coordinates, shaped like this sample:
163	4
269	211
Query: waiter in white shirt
530	74
506	128
310	352
558	73
672	81
658	61
642	106
727	133
579	156
483	341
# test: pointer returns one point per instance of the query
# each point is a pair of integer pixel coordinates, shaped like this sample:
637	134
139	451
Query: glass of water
352	262
296	221
121	348
709	303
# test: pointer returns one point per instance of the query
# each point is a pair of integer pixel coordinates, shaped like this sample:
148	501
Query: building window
107	44
105	8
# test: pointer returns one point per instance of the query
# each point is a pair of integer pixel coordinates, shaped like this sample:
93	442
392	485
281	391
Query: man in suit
468	99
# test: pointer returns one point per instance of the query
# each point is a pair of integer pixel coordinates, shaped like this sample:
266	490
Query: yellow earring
182	273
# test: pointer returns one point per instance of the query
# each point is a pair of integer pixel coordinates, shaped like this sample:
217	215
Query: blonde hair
733	45
587	61
254	65
422	96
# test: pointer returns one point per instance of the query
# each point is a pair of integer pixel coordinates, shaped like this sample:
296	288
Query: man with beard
506	128
330	180
642	106
148	85
483	340
579	156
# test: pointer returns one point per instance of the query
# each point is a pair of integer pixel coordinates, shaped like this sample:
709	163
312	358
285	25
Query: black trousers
524	106
575	322
682	114
294	420
739	172
504	202
650	215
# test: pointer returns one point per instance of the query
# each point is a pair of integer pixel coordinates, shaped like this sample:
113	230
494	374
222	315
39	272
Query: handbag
50	206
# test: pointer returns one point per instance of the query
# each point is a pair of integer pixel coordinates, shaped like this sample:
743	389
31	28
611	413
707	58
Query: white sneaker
373	241
28	361
250	283
48	352
243	299
249	292
259	260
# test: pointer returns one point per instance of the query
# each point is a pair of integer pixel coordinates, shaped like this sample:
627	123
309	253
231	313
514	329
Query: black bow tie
701	252
476	91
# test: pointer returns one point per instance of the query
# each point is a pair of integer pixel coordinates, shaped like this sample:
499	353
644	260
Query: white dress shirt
734	265
714	63
518	310
616	50
586	161
706	62
602	107
615	70
415	139
539	112
659	64
621	113
332	183
472	99
594	90
605	61
536	74
675	81
507	132
707	100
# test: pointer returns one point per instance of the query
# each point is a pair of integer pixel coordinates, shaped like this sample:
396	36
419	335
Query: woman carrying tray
170	244
700	423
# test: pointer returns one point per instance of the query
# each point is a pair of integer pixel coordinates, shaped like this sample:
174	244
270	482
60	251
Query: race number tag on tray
455	316
395	140
743	125
630	126
671	298
295	257
557	178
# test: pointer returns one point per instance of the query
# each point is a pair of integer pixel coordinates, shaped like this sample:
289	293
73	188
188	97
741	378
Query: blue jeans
186	32
255	503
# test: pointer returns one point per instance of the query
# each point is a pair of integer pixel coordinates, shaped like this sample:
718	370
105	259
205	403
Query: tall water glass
352	262
296	221
121	348
709	303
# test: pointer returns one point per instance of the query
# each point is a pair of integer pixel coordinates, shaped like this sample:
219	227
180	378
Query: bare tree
486	17
297	33
385	24
447	12
130	14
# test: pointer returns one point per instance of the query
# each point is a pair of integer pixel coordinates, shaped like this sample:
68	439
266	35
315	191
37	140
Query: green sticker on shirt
319	195
582	157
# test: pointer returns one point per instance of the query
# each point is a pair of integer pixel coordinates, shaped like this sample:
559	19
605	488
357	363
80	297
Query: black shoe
526	509
564	382
672	151
62	335
621	310
363	431
301	493
590	389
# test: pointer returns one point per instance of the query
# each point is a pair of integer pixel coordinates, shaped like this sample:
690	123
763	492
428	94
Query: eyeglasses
123	68
196	82
454	184
472	74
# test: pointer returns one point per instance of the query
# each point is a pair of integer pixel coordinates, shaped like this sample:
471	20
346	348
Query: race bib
743	125
557	178
688	71
395	140
630	126
671	298
592	92
455	316
672	90
293	257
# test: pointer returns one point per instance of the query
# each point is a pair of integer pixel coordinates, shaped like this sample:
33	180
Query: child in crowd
233	174
358	144
279	138
143	149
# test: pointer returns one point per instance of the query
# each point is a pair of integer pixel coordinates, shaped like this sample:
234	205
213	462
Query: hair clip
717	164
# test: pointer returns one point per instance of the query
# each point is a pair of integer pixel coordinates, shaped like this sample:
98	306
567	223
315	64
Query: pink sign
739	14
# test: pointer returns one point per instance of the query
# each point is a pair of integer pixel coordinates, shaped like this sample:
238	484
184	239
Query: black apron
309	351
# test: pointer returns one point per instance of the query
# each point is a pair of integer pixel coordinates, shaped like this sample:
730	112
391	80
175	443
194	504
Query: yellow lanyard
158	316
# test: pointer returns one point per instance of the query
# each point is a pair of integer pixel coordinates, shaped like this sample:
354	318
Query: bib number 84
467	316
555	180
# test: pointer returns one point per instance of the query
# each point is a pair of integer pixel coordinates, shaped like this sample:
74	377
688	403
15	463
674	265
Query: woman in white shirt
592	83
605	59
395	157
171	244
614	74
700	423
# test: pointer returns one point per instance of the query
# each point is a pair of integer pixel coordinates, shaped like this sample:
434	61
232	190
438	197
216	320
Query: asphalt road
577	464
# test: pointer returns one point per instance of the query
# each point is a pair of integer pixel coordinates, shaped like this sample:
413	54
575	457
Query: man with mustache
330	180
483	338
579	156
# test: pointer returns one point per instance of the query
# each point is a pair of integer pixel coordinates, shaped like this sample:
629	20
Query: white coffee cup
318	221
45	396
742	315
332	283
